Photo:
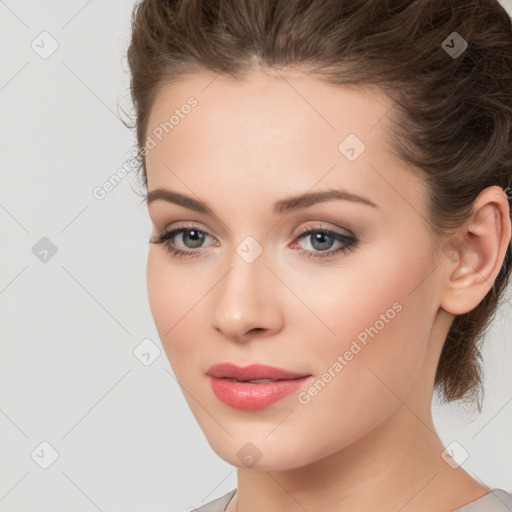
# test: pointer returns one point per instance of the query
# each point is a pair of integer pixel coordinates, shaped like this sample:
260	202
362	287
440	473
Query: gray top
498	500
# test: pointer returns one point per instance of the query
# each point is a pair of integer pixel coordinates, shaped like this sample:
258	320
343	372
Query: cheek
176	296
165	294
160	290
381	314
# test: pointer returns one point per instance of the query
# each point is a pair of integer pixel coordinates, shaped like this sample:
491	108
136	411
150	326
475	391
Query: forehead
275	134
265	109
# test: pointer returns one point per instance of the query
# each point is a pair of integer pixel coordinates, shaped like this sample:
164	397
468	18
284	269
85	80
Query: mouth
255	381
253	387
255	373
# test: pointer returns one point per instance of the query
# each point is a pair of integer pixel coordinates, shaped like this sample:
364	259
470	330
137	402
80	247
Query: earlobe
479	253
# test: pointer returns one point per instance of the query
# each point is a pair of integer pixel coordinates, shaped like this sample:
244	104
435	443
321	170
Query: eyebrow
287	205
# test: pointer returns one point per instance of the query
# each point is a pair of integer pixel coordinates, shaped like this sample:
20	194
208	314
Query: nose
246	301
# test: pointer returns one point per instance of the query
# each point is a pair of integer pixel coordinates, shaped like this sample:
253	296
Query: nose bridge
247	270
244	293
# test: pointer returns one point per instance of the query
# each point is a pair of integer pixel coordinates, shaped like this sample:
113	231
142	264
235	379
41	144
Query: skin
366	441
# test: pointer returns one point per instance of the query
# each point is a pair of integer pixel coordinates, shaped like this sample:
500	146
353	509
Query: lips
247	396
253	387
254	373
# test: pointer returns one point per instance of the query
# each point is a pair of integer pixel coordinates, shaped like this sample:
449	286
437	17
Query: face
351	304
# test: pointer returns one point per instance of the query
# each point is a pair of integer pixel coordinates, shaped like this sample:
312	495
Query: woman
329	186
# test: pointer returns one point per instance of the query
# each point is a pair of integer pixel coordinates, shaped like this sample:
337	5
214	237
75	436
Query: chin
259	452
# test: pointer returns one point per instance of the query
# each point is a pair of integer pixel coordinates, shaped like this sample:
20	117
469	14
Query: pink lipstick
253	387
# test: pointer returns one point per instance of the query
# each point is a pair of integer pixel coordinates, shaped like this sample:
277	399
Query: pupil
197	237
318	238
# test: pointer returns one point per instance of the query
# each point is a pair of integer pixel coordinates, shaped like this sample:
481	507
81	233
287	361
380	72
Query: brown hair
453	113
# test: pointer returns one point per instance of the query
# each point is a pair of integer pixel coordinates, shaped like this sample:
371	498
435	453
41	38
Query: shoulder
498	500
217	505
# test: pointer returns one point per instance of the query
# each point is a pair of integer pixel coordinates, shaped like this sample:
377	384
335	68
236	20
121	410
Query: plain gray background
74	303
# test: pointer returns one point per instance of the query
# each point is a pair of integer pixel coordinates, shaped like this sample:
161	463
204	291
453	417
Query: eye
321	241
188	234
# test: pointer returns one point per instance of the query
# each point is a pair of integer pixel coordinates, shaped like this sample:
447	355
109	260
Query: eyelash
163	237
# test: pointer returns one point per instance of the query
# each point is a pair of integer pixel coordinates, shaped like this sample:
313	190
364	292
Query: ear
474	256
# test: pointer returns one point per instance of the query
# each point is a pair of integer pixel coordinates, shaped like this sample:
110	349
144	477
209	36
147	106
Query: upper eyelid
319	227
303	232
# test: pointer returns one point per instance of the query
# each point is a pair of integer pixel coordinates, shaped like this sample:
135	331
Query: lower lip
252	397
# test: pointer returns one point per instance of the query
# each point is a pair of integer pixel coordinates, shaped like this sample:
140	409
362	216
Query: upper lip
252	372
